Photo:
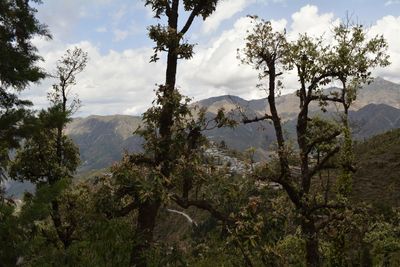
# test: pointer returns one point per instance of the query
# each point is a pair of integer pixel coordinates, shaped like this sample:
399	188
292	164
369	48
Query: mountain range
102	140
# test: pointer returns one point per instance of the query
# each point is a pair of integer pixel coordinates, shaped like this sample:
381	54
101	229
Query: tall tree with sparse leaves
349	58
49	157
169	113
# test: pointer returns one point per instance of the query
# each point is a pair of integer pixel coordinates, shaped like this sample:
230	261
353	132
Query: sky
119	78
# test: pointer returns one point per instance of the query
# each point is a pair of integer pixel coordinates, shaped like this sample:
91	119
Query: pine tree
18	59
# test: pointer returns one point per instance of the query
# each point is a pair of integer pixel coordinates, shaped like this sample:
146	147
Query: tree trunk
312	243
148	211
284	163
144	233
56	217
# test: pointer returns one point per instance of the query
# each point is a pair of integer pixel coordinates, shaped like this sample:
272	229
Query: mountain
374	119
377	178
380	91
102	140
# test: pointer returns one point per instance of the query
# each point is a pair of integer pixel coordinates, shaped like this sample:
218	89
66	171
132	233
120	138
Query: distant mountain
103	139
380	91
374	119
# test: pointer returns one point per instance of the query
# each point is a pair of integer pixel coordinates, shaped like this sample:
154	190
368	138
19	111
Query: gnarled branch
257	119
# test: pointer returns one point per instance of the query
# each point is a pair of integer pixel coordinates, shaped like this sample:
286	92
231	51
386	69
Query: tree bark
312	243
146	222
149	211
284	163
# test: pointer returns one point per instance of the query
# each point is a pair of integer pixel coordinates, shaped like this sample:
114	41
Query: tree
169	130
49	157
18	58
349	59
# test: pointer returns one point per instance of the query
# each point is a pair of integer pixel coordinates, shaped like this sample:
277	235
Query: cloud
124	81
308	20
392	2
216	70
115	82
226	10
389	27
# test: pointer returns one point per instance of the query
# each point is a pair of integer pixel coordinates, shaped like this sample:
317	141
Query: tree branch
256	119
195	12
326	206
123	211
322	163
167	8
327	98
141	159
321	140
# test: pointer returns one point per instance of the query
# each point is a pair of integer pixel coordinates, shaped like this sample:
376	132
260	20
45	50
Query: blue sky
119	78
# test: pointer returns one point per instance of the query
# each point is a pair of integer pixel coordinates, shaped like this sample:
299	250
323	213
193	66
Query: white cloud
115	82
392	2
308	20
389	27
226	9
215	68
123	82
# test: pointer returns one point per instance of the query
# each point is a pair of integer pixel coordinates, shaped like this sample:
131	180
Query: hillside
103	139
377	178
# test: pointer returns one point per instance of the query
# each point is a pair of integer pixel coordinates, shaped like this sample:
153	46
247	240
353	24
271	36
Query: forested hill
378	170
103	139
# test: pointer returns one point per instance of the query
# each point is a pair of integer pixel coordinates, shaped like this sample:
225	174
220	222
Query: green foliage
10	234
384	238
349	60
18	59
265	48
18	55
97	241
38	161
249	220
71	64
170	38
